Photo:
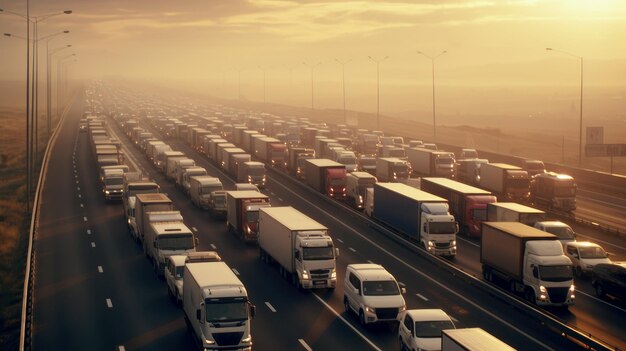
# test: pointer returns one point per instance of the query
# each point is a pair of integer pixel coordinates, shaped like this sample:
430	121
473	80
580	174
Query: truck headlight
403	308
544	292
209	342
572	292
360	199
247	340
333	274
107	192
249	179
431	244
370	309
453	242
305	275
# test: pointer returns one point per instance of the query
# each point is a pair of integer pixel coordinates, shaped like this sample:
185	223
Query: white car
584	255
421	329
373	294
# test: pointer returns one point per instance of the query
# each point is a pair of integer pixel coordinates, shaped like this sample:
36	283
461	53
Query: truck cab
357	184
113	184
191	172
336	182
554	190
217	203
546	268
254	173
439	229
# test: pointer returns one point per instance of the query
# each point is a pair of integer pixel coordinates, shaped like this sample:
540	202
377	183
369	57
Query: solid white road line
368	341
305	345
109	303
269	305
600	300
100	269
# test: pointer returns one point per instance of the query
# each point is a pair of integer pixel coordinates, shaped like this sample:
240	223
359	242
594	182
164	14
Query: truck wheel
362	319
600	291
530	296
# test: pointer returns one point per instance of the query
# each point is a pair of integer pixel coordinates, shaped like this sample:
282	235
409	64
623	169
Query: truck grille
227	339
442	245
320	273
558	295
386	313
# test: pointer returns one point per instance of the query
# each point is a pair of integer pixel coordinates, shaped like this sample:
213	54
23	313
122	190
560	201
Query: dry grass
13	225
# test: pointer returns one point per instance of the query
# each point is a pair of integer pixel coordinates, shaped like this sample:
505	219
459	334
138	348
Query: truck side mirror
252	311
336	252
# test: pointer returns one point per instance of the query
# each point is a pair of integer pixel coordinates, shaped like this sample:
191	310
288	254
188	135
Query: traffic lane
265	286
67	313
602	213
401	266
610	200
141	317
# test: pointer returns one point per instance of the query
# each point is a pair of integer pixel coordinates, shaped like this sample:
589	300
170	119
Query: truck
216	307
326	176
146	203
131	189
556	191
270	150
227	154
180	166
471	339
431	163
166	235
235	162
301	246
194	171
421	216
347	158
163	159
200	189
514	212
242	212
392	169
113	184
529	261
357	184
468	204
468	170
295	160
252	172
506	181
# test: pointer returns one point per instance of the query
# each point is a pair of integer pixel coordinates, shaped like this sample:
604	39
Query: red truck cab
336	182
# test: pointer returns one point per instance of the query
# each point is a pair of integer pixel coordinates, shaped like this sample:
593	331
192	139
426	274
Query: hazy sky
489	43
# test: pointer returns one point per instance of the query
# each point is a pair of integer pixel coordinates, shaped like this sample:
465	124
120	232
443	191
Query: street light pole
432	60
377	62
343	84
312	66
59	63
48	77
580	127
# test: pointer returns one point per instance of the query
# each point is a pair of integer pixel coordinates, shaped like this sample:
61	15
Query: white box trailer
471	339
201	188
166	235
300	245
146	203
216	306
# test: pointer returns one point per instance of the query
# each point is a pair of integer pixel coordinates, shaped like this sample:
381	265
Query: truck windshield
555	273
114	181
562	233
518	183
401	169
479	214
317	253
337	181
380	288
441	227
219	200
431	329
256	171
176	242
347	160
252	216
226	310
444	161
565	190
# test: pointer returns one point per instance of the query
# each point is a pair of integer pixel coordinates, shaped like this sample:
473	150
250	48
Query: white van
373	294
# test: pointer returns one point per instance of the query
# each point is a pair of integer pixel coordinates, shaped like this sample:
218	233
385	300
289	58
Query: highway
94	289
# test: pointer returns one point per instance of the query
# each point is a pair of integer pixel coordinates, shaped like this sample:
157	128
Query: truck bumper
450	251
319	283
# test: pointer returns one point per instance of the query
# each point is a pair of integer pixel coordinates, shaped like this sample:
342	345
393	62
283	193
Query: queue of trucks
301	247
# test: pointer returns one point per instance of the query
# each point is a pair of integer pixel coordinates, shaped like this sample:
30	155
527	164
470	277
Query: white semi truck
217	308
301	246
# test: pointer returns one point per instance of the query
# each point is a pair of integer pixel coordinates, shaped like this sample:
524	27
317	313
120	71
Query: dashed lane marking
100	269
109	303
235	271
422	297
85	219
93	244
341	241
305	345
269	305
213	247
88	231
351	249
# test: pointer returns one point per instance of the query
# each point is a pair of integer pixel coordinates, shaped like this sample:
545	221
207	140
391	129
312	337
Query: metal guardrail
29	273
574	335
